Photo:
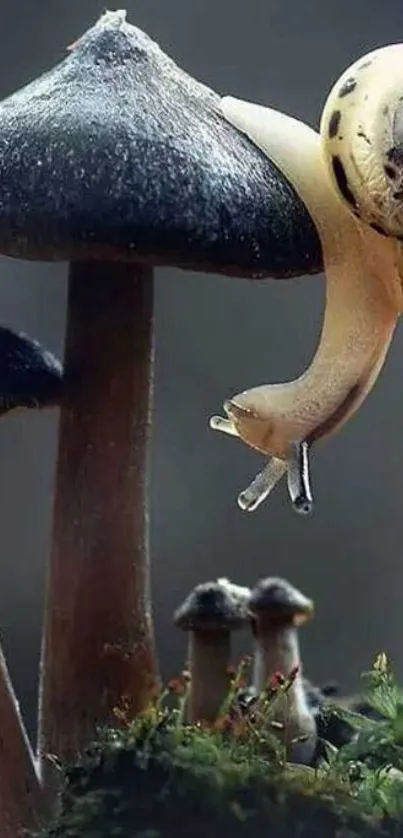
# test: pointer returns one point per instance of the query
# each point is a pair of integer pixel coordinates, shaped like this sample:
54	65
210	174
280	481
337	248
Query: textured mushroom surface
117	153
30	376
278	599
212	606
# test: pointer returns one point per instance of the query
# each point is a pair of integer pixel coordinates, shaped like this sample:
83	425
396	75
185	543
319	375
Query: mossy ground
159	778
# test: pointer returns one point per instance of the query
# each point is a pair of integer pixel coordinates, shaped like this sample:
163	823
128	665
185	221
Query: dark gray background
216	336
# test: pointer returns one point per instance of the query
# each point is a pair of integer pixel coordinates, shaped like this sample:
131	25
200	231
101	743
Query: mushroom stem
363	300
277	650
21	798
208	655
98	644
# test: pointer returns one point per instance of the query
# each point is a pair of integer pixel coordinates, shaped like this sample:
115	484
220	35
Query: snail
350	177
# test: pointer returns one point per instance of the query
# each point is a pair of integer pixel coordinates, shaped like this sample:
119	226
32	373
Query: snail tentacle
219	423
262	485
299	479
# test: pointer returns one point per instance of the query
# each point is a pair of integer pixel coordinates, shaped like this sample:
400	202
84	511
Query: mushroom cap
118	154
214	606
30	376
276	600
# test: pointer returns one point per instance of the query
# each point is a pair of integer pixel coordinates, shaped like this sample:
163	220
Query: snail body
340	175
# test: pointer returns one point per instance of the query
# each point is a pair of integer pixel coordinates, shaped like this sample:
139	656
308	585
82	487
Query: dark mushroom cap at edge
30	375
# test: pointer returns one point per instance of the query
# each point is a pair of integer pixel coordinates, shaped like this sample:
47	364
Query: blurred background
216	336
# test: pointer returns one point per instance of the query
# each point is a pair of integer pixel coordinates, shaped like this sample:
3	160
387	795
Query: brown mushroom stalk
278	609
22	801
211	612
98	641
363	301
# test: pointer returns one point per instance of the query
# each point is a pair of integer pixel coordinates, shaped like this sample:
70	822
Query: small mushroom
116	161
209	614
278	609
30	376
349	176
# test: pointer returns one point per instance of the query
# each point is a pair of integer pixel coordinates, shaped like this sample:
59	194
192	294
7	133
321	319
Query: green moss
158	778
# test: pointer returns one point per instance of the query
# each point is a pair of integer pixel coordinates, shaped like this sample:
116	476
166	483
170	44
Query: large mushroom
278	609
116	160
211	612
350	177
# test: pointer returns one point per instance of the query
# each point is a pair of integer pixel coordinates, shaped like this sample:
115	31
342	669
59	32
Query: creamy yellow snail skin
350	177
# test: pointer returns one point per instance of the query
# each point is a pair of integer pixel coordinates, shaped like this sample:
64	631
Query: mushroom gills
363	301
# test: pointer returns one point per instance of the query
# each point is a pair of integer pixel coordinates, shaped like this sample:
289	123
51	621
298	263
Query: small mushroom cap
30	376
278	601
214	606
117	153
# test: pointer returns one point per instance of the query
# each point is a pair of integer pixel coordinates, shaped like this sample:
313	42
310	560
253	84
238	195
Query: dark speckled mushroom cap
30	376
118	154
214	606
276	600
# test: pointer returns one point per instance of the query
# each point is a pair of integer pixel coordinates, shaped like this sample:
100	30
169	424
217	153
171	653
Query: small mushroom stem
21	798
208	658
277	650
98	644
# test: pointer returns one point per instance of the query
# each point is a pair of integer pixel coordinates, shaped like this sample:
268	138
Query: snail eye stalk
262	485
298	478
297	469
